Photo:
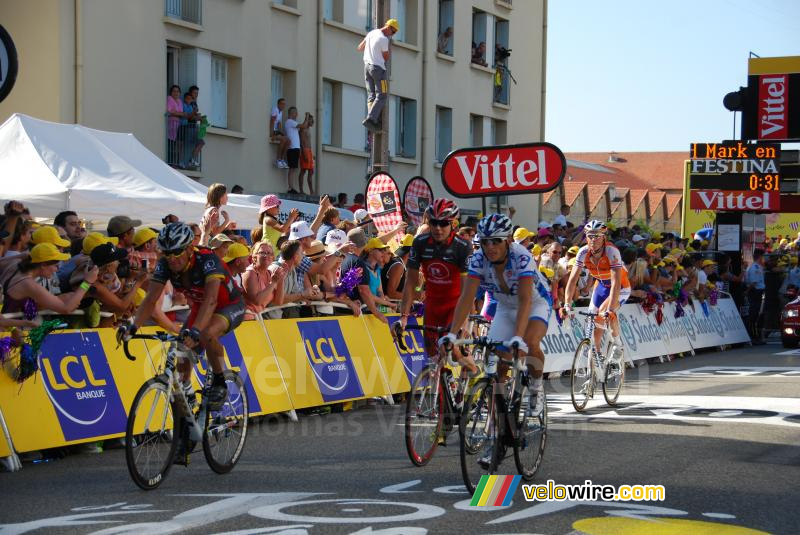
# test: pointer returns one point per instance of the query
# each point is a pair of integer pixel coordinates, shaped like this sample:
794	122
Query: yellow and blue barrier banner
85	385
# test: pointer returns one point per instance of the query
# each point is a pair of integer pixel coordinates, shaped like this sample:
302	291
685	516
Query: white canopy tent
51	167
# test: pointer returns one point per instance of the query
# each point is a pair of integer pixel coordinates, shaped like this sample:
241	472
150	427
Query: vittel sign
503	170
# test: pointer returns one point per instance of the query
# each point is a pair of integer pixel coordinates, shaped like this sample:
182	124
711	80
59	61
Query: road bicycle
495	418
433	406
165	425
589	364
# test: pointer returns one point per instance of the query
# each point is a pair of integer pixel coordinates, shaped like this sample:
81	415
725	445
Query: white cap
636	238
360	214
560	219
300	229
334	239
544	224
645	236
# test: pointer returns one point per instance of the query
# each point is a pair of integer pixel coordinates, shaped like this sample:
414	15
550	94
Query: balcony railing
187	10
184	144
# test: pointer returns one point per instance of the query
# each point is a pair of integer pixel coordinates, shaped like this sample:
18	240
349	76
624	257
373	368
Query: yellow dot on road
657	526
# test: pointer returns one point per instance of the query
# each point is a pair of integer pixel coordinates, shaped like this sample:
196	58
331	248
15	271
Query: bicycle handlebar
161	336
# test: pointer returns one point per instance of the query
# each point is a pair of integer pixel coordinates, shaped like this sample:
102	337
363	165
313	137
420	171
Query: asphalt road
720	431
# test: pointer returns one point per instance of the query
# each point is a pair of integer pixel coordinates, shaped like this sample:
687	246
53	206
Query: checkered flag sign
383	202
793	225
417	196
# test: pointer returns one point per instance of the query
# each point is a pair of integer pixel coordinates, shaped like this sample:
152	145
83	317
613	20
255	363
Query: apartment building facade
108	64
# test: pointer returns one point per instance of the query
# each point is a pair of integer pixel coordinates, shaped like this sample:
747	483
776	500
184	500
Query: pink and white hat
269	201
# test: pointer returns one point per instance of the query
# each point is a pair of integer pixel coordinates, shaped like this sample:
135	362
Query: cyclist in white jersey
524	301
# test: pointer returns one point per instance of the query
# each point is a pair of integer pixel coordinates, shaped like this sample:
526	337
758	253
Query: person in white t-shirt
276	133
293	128
375	47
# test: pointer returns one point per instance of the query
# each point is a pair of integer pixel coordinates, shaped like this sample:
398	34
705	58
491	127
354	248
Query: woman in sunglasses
612	287
523	294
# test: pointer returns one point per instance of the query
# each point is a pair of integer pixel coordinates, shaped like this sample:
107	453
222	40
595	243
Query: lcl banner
773	99
503	170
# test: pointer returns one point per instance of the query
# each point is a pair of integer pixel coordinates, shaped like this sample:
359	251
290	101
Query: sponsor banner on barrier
264	375
641	334
723	325
329	359
414	358
394	361
78	382
673	331
234	360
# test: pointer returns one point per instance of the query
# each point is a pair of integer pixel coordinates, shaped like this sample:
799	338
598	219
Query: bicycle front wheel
615	377
226	429
582	376
479	444
531	438
151	436
424	416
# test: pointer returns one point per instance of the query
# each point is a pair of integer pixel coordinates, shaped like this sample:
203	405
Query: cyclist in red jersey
442	256
217	305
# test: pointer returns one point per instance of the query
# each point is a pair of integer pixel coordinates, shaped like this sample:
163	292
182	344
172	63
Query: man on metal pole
375	47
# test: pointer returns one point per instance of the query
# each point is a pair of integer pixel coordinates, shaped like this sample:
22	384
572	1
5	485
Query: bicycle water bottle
491	364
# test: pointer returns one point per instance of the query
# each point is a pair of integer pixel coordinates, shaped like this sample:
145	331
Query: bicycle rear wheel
615	377
151	435
424	416
582	376
226	429
480	438
531	438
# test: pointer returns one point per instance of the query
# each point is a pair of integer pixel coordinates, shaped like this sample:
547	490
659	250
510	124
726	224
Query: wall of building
122	79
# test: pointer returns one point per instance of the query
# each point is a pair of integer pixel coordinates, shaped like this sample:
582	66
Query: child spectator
268	218
215	220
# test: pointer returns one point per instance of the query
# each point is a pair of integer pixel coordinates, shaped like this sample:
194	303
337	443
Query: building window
502	81
405	11
327	113
187	10
444	44
289	3
499	132
355	13
282	85
344	106
444	132
403	137
218	114
482	38
475	130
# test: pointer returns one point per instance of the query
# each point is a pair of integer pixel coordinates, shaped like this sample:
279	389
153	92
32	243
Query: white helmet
175	236
595	225
494	226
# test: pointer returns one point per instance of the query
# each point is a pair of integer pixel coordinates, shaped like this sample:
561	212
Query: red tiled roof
644	170
637	196
573	190
673	201
549	195
596	194
655	198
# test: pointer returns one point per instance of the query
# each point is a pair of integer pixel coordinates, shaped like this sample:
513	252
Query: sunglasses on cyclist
594	236
492	241
175	253
439	223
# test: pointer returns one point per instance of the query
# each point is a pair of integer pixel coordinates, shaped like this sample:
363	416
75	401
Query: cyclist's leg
598	300
223	321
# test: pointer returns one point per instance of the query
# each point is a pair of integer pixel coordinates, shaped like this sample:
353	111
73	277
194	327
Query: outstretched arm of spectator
362	45
112	302
145	310
401	227
324	204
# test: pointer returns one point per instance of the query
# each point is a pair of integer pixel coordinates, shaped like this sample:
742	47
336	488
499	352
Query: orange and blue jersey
602	268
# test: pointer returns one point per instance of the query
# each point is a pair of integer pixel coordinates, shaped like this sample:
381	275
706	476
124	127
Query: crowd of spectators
294	145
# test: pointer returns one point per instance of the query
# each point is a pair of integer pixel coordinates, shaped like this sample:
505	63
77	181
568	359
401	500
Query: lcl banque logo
79	383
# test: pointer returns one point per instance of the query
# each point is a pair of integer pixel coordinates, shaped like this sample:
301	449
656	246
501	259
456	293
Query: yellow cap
143	235
652	247
93	239
547	272
139	297
793	260
392	23
236	250
707	263
704	243
46	252
537	250
374	243
521	233
676	252
48	235
574	249
407	240
571	261
784	241
669	260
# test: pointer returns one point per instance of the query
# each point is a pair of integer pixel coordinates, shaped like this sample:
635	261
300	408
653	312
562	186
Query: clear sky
643	75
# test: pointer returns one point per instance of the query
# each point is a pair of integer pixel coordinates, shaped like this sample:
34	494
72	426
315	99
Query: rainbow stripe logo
494	491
